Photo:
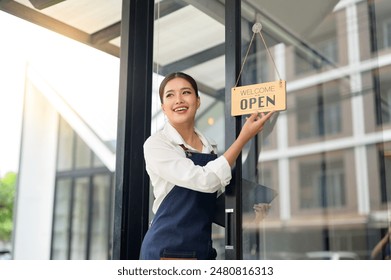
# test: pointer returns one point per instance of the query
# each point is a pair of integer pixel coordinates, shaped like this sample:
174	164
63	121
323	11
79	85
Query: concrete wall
35	190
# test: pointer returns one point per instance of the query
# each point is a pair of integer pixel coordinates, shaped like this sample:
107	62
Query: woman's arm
165	162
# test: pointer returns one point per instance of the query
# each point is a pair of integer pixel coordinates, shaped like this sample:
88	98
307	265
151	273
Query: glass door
326	159
327	155
189	37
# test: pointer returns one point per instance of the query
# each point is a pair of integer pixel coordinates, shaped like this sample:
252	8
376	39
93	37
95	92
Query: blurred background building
328	156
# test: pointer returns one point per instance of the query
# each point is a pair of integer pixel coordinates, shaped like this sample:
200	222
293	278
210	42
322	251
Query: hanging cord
257	27
245	59
274	63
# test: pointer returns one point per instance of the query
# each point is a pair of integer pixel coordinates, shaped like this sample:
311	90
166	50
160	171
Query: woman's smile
180	102
180	109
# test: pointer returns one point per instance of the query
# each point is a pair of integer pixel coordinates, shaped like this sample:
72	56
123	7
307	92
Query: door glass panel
328	154
190	38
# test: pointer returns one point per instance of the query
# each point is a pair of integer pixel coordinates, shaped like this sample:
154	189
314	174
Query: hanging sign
264	97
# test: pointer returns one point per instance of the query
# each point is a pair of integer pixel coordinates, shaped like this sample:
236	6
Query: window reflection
328	155
82	223
322	186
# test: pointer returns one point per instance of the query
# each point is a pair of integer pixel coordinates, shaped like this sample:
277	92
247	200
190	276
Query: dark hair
174	75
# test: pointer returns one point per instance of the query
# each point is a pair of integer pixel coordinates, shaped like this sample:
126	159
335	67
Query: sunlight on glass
85	77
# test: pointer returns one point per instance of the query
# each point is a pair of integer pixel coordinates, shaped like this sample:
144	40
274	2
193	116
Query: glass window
387	33
82	218
100	218
307	118
321	186
330	152
97	162
328	48
80	221
304	64
65	146
333	117
83	154
386	105
317	117
325	152
82	224
385	172
319	49
61	219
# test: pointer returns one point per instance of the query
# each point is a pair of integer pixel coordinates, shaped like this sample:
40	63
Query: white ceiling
89	16
186	31
195	33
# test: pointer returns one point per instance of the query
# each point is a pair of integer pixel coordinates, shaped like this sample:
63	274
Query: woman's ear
198	102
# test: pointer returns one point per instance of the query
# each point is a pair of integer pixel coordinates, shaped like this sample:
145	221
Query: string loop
257	28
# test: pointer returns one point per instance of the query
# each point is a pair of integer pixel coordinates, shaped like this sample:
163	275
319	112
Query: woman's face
180	102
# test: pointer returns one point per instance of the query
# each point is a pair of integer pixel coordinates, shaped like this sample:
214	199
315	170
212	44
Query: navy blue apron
182	226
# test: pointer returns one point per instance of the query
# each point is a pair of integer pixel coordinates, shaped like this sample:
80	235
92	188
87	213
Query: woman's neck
189	135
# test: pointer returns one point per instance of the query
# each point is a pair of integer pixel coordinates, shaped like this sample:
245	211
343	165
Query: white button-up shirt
167	165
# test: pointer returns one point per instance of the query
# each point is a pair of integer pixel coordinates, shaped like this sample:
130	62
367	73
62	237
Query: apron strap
187	151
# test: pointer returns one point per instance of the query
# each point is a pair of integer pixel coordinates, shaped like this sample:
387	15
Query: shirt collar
173	135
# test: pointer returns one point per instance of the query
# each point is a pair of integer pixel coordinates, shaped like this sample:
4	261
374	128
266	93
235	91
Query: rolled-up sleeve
222	169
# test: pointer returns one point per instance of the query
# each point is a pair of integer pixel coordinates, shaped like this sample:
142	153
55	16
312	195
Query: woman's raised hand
254	124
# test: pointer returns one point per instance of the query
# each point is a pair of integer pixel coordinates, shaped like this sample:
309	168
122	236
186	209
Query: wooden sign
264	97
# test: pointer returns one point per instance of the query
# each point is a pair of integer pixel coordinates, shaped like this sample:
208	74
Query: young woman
186	174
